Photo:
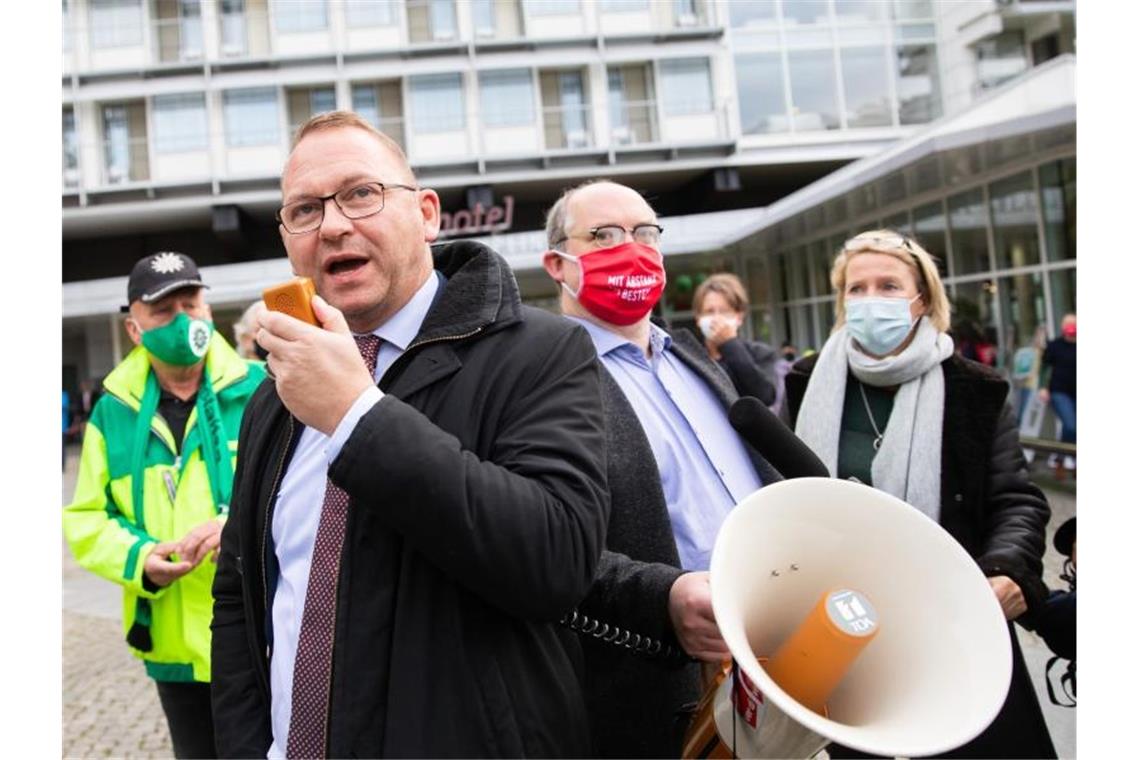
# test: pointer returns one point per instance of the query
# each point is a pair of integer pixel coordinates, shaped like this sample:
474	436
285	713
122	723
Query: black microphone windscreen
775	441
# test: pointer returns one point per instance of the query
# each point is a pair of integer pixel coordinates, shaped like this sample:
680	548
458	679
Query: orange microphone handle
812	662
293	298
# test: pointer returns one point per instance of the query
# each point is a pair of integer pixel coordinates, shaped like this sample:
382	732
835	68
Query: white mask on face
709	323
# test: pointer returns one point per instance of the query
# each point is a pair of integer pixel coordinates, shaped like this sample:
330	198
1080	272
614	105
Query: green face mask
182	341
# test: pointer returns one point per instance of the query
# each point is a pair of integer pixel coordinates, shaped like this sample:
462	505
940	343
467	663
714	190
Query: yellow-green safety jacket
110	536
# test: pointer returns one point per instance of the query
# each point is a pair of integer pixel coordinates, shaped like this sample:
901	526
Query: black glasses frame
323	200
593	232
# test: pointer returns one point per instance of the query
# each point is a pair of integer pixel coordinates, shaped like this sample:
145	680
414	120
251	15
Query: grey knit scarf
909	461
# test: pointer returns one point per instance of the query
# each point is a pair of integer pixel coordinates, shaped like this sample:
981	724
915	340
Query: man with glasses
422	492
676	469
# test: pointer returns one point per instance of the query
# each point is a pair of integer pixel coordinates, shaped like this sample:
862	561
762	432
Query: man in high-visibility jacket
154	484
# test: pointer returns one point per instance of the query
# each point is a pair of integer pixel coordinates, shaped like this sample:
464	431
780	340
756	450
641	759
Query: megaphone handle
714	672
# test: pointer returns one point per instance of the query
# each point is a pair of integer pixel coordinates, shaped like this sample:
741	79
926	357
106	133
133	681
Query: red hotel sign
478	220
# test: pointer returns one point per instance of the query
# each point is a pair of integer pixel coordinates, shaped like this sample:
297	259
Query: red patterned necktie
312	669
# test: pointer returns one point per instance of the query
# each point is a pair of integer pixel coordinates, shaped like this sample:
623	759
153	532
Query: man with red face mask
676	467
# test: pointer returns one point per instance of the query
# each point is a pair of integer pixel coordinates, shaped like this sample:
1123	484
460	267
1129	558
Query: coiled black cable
636	643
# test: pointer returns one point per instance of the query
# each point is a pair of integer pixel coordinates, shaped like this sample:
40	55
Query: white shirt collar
403	326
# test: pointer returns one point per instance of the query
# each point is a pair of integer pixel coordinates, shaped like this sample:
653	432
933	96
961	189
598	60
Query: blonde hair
728	286
345	119
918	261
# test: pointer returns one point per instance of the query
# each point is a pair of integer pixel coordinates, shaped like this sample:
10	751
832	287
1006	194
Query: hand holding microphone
318	370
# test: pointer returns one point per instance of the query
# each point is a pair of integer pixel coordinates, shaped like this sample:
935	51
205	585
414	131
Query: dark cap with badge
160	274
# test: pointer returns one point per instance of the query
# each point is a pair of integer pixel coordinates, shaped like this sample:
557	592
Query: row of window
1022	212
435	104
751	14
120	23
777	92
1007	290
1006	310
800	89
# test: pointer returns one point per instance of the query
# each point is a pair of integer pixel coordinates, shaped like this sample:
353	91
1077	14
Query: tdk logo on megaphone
850	610
811	663
851	617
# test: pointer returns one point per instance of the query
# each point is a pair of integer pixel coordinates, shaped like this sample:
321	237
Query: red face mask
1069	331
619	285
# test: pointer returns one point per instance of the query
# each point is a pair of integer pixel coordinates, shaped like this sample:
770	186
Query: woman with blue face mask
889	403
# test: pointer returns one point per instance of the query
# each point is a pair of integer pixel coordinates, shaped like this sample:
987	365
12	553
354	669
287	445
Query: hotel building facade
763	131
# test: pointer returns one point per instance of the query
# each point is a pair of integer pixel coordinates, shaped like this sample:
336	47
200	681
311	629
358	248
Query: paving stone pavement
111	708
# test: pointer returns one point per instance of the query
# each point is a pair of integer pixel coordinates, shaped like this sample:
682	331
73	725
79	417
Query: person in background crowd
1025	368
154	484
1058	383
244	330
66	423
676	468
421	495
967	336
987	348
887	402
721	305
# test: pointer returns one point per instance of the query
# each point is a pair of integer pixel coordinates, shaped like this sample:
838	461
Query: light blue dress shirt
705	469
298	510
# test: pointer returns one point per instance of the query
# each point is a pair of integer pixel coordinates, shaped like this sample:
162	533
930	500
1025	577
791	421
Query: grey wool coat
639	703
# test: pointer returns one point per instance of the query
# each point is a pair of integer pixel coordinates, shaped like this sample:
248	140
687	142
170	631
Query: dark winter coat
997	515
637	702
477	517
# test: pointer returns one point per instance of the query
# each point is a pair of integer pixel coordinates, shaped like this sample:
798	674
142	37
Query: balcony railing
695	16
497	20
663	15
70	171
633	122
250	149
178	40
431	22
125	160
243	34
568	127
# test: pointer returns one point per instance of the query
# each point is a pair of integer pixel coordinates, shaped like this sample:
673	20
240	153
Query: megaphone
936	674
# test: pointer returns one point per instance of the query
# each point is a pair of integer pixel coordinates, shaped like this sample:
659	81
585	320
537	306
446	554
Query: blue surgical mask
879	324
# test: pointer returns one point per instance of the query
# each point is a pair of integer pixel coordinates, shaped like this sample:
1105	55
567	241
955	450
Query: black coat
477	517
636	701
995	513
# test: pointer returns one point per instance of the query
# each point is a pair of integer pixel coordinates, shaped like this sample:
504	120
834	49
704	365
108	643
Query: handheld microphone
768	434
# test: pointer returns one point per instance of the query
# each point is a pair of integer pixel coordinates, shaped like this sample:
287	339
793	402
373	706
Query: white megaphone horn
938	669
